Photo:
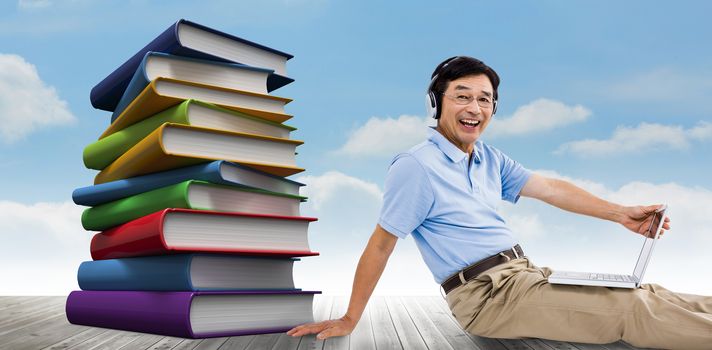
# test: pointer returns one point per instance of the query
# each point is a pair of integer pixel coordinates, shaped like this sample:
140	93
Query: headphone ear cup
431	105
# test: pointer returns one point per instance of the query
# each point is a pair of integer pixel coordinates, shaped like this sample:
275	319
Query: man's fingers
327	333
310	328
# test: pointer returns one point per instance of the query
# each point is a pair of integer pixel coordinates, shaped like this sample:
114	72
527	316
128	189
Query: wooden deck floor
388	323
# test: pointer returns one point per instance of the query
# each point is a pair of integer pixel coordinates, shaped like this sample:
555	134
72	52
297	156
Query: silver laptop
611	280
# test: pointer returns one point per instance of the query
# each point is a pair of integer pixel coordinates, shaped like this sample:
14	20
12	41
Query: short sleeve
408	196
514	176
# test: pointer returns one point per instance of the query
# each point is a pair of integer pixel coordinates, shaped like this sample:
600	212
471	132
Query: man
444	193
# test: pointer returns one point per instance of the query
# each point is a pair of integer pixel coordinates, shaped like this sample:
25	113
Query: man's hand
325	329
369	270
638	219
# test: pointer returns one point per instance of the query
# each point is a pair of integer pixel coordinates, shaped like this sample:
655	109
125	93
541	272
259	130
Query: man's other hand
325	329
639	218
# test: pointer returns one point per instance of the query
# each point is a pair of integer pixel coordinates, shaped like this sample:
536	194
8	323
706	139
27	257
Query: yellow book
173	146
163	93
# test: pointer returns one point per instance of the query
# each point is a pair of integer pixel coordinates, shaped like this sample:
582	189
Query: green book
100	154
191	194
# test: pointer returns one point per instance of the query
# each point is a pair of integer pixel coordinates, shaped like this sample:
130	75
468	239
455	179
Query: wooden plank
121	339
408	333
560	345
539	344
166	343
455	335
190	344
428	330
9	302
338	309
482	342
30	307
514	344
208	344
76	339
25	315
322	312
285	341
141	342
23	322
362	335
97	342
237	343
263	341
42	333
384	332
583	346
200	344
620	345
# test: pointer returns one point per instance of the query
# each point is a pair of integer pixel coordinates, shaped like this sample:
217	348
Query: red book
173	231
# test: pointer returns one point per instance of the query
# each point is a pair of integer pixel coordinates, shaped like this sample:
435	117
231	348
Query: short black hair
457	67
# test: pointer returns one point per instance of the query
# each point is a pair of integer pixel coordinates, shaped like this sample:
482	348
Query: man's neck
467	148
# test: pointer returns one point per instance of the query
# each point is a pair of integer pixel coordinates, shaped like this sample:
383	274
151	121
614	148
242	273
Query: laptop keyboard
609	277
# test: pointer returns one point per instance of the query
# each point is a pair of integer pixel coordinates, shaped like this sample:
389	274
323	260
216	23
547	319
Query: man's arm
370	267
567	196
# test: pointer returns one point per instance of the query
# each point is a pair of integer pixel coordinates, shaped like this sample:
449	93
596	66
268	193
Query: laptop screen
649	243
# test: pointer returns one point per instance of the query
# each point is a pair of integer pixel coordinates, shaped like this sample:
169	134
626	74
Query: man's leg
515	300
694	303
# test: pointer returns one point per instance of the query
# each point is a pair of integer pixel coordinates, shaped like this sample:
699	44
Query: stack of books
199	228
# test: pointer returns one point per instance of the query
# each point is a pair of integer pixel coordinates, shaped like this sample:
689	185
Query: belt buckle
516	255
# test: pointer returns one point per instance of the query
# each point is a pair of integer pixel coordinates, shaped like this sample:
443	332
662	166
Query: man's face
463	124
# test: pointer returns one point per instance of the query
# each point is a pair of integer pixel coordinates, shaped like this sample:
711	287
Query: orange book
163	93
173	146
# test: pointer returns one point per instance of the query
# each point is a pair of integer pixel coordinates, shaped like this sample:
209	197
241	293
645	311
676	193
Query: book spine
108	92
103	152
147	151
166	313
157	273
138	82
141	237
115	190
124	210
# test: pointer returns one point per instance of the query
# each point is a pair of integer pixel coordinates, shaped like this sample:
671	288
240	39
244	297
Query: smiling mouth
470	123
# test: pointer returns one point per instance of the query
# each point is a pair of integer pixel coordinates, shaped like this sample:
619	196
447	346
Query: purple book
192	314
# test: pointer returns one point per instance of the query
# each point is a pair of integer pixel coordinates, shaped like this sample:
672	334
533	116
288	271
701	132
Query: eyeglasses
485	102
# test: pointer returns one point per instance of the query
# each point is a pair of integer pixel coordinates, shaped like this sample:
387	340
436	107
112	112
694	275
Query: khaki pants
514	300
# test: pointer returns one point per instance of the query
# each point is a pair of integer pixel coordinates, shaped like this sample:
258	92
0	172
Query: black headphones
431	101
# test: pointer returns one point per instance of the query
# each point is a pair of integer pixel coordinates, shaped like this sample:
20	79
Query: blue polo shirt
448	201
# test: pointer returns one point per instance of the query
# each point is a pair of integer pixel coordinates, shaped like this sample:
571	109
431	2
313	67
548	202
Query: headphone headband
431	101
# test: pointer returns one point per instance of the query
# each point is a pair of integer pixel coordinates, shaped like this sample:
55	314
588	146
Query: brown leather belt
481	266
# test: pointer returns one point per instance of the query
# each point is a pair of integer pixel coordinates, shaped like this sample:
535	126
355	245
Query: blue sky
612	95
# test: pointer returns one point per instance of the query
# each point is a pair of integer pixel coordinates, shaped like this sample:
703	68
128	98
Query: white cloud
529	226
333	184
26	102
537	116
662	85
386	136
33	4
42	247
644	137
703	131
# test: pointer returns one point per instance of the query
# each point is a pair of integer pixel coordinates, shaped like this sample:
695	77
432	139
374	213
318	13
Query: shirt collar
455	154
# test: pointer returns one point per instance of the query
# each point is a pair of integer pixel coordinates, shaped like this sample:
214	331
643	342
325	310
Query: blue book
190	39
188	272
218	172
221	74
